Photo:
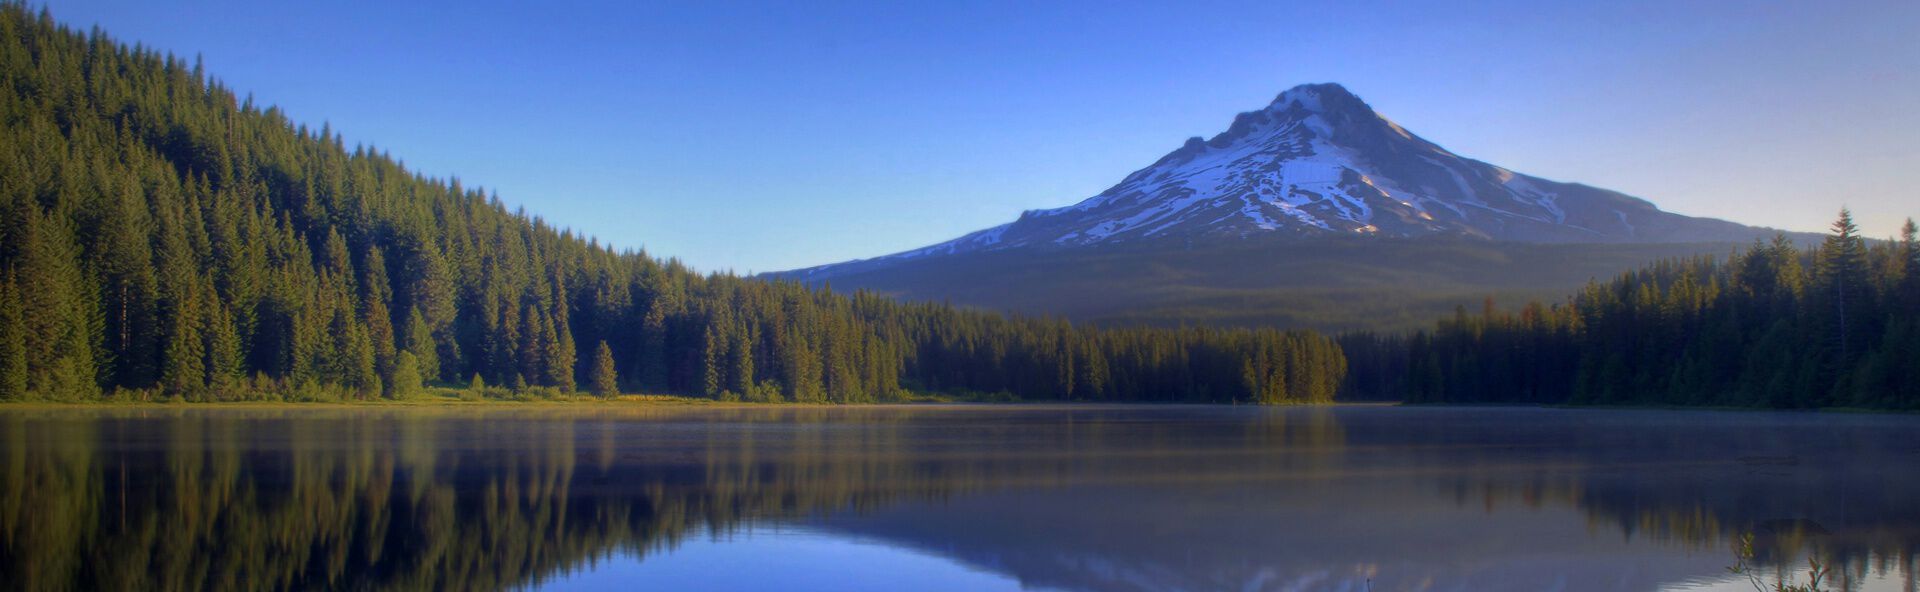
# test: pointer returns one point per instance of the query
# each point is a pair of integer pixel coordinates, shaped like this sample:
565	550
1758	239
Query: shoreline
637	401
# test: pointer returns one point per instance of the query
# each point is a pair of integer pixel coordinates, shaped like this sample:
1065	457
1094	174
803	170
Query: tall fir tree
13	346
605	380
55	310
420	343
376	296
407	381
1843	265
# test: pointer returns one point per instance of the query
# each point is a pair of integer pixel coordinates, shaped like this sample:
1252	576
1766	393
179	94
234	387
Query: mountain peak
1316	97
1319	161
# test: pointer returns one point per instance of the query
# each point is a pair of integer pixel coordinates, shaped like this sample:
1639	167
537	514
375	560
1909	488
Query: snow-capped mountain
1319	161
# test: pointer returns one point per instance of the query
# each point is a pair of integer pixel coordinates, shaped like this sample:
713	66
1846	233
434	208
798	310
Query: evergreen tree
431	294
184	372
1909	254
740	374
605	382
713	358
54	311
559	355
1843	263
420	343
13	350
1751	330
376	296
123	260
407	381
223	349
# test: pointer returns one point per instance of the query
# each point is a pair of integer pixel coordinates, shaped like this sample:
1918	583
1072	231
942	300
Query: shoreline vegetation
454	398
436	396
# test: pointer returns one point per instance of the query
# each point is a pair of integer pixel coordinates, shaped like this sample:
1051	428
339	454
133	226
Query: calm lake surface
949	498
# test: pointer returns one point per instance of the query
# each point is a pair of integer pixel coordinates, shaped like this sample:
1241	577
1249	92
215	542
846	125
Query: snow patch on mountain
1318	160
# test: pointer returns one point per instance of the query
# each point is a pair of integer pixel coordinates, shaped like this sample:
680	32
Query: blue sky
759	137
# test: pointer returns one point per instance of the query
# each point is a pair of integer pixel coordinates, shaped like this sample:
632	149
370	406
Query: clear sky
759	137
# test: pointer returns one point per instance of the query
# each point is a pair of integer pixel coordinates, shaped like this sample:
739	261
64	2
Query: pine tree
307	347
225	360
375	313
184	369
605	381
354	361
13	350
559	355
407	381
713	357
533	345
651	356
431	295
1843	264
55	311
420	343
125	264
1909	253
740	375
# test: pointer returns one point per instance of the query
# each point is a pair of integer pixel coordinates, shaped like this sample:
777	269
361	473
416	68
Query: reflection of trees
1838	487
199	502
486	499
447	499
298	500
1854	534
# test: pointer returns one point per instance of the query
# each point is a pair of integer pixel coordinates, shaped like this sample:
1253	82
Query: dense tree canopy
1836	325
160	235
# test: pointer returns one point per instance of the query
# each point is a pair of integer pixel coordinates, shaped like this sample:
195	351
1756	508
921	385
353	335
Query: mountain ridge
1314	211
1320	161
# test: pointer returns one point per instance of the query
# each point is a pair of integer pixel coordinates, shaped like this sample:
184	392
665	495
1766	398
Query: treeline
161	236
1835	325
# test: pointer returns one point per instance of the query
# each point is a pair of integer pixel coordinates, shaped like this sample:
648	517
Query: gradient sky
759	137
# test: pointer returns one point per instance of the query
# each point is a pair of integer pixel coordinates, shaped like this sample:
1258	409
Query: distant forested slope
1837	325
160	236
1324	283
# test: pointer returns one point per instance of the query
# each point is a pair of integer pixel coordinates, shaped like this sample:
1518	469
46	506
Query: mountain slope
1317	164
1338	284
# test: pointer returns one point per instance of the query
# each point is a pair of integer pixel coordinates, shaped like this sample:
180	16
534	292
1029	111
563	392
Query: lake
950	498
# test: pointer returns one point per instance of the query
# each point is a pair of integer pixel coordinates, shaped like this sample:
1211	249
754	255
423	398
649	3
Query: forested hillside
1325	283
1837	325
161	236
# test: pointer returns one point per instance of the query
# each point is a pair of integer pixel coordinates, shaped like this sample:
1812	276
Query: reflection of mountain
249	499
1077	498
1519	501
1334	535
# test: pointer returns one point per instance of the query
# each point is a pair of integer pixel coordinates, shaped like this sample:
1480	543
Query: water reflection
1072	498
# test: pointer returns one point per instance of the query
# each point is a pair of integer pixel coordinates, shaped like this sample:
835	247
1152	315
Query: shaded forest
161	236
1775	325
